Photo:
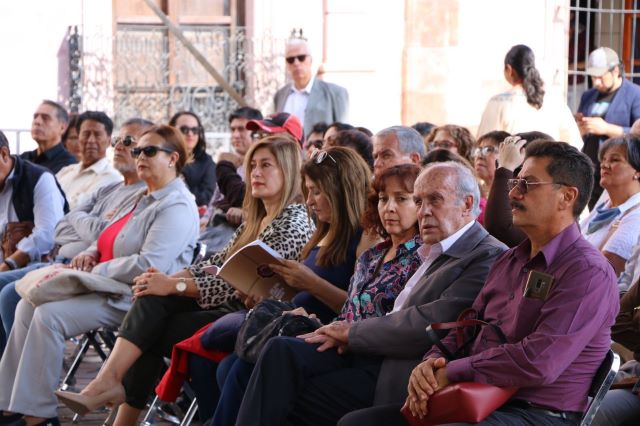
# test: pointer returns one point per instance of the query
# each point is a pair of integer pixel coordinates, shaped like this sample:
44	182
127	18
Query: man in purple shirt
554	297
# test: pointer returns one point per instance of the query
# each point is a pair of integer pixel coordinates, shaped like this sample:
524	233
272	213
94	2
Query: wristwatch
181	286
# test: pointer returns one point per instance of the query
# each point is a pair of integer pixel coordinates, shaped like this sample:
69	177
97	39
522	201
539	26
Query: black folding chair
600	385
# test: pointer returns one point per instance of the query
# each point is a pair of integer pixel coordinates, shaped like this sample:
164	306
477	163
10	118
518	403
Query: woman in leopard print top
164	314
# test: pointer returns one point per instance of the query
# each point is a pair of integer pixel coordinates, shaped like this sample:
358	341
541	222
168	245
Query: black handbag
265	321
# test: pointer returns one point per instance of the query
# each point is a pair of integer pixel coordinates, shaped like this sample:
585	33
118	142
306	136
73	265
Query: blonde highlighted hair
287	154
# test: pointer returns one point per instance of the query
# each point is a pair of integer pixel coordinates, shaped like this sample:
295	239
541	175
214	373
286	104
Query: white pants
31	366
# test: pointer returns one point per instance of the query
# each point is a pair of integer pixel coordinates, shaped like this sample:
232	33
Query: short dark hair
73	120
3	140
423	127
568	166
441	155
339	127
320	127
61	112
495	135
462	135
137	121
246	112
631	145
98	116
359	142
201	146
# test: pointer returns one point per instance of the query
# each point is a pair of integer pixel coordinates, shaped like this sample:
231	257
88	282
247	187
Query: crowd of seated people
381	235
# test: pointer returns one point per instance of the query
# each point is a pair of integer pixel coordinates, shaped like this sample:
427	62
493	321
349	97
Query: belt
573	416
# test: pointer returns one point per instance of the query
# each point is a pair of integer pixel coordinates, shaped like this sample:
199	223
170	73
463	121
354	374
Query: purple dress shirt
555	345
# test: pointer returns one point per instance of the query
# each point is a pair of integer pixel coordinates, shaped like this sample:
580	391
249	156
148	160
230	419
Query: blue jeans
9	298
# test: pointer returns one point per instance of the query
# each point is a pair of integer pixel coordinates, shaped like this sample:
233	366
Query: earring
170	165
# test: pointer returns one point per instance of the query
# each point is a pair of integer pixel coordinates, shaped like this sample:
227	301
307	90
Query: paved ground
87	371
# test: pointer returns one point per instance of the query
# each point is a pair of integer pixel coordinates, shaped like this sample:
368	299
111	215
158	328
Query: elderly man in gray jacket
345	366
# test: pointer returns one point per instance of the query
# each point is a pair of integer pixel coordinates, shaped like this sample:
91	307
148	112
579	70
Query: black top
53	159
200	177
231	186
498	219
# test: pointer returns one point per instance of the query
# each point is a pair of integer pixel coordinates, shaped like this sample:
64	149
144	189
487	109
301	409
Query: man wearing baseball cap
278	123
608	109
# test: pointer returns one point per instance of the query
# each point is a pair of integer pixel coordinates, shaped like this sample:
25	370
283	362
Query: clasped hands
428	377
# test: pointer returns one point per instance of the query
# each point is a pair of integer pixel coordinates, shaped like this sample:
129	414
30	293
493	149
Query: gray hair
294	41
409	140
137	121
466	183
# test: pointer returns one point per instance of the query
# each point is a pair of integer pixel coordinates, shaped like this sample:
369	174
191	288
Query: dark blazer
449	286
328	102
623	111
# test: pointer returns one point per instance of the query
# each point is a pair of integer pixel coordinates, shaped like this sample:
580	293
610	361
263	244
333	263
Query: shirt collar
558	245
167	189
97	167
444	245
51	152
306	89
632	201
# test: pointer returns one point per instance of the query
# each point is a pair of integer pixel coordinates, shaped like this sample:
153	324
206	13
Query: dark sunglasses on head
186	129
149	151
320	155
126	141
300	58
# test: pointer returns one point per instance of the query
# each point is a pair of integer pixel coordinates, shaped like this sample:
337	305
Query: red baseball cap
281	122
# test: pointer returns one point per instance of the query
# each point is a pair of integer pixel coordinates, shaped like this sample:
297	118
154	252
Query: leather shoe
5	420
53	421
83	404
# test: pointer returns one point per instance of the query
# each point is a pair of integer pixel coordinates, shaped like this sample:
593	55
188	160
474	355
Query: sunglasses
126	141
320	155
149	151
484	151
523	186
186	129
300	58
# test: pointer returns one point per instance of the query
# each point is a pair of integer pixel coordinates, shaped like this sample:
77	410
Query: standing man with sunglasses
308	98
95	170
608	109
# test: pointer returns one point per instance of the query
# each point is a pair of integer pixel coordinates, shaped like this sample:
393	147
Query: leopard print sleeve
287	234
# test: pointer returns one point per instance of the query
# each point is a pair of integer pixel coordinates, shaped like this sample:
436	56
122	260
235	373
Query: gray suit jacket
328	102
449	286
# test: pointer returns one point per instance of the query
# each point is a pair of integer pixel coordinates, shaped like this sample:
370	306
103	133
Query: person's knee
281	348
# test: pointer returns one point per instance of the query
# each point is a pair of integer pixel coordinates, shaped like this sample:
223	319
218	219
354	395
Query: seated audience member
631	273
78	229
335	370
526	105
614	224
359	142
335	184
454	138
169	309
276	124
160	233
441	155
329	135
80	180
32	204
485	159
557	323
364	130
314	139
200	173
498	220
49	123
70	138
423	127
396	145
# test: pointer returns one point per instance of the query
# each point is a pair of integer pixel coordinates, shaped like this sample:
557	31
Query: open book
248	271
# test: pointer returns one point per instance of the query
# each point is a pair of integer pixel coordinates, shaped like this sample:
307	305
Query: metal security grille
596	23
143	71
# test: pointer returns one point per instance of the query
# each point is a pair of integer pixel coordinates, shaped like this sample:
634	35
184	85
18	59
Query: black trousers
507	415
294	382
155	324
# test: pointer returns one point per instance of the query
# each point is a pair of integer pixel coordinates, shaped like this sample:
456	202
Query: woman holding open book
380	275
169	309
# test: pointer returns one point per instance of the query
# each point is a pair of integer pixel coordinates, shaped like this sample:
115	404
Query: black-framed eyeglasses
443	145
300	58
523	185
484	151
186	129
149	151
126	141
320	155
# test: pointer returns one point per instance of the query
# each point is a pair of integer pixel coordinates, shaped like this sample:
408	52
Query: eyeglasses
484	151
443	145
320	155
149	151
315	143
126	141
300	58
186	129
523	186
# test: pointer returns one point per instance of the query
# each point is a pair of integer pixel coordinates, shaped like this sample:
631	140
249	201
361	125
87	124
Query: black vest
25	178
